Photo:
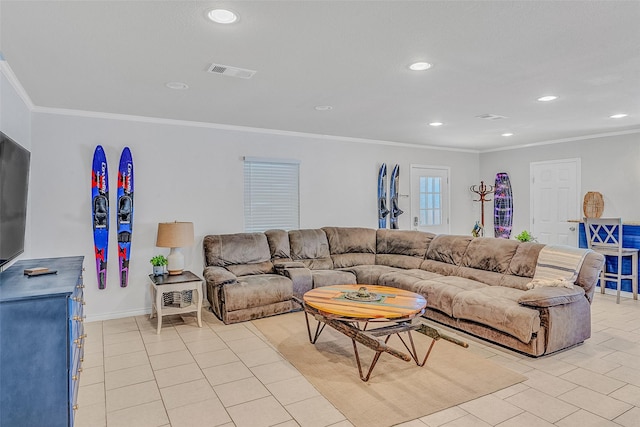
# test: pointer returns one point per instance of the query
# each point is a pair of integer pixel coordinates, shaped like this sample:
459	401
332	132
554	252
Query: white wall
191	173
610	165
15	122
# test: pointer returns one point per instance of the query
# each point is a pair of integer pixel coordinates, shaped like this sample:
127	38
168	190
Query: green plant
158	261
525	236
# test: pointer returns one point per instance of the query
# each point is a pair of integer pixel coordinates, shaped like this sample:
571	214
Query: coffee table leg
412	351
319	328
373	362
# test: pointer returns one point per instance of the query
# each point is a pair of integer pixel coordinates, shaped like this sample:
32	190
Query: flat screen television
14	186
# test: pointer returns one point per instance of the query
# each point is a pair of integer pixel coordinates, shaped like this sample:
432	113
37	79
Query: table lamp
175	235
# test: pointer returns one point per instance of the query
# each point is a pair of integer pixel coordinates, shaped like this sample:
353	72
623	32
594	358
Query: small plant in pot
525	236
158	262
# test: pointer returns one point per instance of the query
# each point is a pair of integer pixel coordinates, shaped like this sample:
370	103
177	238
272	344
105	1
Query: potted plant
158	262
525	236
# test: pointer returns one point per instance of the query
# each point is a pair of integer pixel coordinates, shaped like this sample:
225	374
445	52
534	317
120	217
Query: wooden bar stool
604	235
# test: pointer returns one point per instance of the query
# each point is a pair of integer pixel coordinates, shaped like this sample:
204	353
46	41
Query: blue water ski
382	197
100	213
393	195
125	214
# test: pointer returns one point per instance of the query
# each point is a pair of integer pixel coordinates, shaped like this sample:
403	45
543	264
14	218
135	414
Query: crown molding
563	140
6	70
235	128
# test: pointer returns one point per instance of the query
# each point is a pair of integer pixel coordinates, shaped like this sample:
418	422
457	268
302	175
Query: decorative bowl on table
363	294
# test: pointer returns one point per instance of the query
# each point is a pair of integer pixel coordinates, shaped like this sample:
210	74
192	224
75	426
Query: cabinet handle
75	407
79	370
75	378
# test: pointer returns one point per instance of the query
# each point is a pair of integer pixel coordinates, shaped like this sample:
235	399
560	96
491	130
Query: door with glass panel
430	199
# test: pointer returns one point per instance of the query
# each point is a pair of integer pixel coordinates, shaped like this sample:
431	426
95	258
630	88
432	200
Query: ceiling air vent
226	70
491	117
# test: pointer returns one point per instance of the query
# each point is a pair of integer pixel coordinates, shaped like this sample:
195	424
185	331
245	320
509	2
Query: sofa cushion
405	279
278	244
250	269
488	277
401	248
441	291
256	291
489	254
515	282
332	277
442	268
242	253
498	307
524	261
351	246
311	247
370	274
448	249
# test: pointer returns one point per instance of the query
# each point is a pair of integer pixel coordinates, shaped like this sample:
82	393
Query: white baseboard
609	291
140	312
118	315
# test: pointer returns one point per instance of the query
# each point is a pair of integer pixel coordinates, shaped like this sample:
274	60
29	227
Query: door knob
572	229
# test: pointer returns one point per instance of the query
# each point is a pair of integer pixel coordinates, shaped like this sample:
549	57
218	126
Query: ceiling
489	57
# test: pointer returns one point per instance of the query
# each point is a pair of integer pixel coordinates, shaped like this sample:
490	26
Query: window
430	200
271	194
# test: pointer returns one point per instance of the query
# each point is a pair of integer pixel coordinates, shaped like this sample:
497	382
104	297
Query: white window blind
271	194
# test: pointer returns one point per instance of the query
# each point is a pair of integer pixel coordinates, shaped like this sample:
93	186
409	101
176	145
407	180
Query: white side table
161	285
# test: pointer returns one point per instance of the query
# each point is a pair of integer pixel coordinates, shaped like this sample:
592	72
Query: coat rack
482	190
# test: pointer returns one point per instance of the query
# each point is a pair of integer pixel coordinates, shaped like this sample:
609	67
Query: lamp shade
175	234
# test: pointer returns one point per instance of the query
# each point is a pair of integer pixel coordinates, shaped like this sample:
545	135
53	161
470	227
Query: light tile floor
230	376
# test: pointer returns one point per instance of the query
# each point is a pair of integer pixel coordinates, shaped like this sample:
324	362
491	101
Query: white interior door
430	199
555	199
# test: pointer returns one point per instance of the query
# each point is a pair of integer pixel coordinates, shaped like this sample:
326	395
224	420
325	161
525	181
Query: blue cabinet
41	343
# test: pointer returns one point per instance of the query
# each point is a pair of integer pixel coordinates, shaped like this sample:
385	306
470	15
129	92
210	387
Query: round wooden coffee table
344	307
394	304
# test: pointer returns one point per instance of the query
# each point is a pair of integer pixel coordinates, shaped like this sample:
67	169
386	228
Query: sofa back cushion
490	254
523	263
242	254
278	245
351	246
402	248
311	247
448	248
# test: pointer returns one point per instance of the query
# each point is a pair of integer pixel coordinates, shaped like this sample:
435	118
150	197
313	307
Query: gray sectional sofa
478	285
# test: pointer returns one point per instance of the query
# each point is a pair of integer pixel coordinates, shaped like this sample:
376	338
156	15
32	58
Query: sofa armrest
551	296
216	276
299	275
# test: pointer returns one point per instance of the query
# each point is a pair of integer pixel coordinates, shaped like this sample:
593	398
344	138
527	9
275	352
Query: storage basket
177	299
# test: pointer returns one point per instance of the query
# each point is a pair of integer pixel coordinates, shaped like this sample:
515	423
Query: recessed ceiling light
436	124
323	107
419	66
618	116
507	134
177	85
222	16
547	98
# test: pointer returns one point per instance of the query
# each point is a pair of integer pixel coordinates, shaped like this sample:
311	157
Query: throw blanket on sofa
557	266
